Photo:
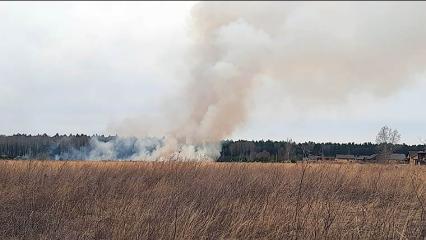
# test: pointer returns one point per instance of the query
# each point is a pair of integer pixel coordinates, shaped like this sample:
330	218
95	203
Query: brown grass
142	200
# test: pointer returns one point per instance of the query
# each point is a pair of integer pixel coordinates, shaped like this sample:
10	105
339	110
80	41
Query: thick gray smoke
318	52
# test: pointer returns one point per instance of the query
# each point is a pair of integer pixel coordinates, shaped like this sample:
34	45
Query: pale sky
80	67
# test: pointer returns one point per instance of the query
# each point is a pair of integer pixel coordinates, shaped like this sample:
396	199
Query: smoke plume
317	52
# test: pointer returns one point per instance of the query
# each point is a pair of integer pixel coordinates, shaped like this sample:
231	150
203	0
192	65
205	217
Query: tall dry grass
165	200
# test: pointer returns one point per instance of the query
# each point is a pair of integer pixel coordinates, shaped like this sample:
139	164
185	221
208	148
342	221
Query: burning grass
185	200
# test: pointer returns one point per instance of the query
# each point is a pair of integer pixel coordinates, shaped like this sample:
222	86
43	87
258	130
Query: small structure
366	157
397	158
417	157
340	157
372	157
361	158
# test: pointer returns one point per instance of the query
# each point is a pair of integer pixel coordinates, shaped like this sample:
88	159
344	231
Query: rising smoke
318	52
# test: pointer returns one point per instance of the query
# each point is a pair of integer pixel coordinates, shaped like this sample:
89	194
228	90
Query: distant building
361	158
372	157
417	157
387	158
345	157
366	157
397	157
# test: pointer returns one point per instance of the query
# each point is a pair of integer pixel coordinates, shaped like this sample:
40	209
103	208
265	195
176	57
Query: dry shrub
185	200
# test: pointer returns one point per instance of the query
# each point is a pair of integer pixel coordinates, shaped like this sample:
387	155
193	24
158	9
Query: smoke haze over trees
83	147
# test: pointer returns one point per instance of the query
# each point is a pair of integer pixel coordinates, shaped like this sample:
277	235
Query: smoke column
318	52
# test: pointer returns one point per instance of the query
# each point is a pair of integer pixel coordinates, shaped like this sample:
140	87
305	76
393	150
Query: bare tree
386	139
288	148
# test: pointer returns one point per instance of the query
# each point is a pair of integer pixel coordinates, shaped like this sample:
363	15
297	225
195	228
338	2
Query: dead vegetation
166	200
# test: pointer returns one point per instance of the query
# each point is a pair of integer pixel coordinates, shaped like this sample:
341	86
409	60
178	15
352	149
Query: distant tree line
47	147
278	151
43	146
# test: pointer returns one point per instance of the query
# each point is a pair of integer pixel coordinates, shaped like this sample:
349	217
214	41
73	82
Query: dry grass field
166	200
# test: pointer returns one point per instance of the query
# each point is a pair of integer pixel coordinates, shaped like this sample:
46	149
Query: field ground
186	200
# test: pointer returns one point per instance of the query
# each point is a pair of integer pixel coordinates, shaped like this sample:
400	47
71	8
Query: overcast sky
82	67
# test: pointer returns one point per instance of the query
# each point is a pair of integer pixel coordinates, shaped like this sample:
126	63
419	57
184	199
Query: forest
22	146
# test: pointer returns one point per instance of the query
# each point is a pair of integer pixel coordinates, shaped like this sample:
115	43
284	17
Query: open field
184	200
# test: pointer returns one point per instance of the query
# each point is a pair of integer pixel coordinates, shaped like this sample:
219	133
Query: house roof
397	156
415	153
